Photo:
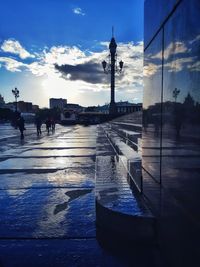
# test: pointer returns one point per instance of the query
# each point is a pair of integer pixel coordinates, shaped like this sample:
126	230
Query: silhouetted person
15	117
53	124
38	123
48	124
20	124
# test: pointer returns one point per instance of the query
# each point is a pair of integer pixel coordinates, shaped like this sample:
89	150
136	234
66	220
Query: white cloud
179	64
196	39
130	80
174	48
195	66
12	64
78	11
14	47
150	69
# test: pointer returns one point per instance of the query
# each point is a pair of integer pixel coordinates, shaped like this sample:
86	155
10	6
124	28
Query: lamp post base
112	108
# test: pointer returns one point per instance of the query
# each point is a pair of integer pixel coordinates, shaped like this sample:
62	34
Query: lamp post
176	92
16	95
112	67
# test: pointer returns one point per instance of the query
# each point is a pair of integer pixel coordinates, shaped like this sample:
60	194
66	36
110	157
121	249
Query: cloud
195	66
89	72
78	11
150	69
178	64
88	67
70	67
12	64
174	48
14	47
196	39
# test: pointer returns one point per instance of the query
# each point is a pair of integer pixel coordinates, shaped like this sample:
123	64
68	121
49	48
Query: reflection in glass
151	138
181	100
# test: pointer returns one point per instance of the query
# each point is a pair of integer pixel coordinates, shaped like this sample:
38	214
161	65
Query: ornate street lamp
112	67
16	94
176	92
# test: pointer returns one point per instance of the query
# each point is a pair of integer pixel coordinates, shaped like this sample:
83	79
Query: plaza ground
47	196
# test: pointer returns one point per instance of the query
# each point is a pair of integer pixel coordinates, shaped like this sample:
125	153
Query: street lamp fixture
16	95
107	66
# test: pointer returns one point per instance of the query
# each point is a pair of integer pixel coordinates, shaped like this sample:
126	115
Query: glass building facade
171	125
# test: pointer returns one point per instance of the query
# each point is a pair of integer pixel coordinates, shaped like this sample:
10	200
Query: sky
54	48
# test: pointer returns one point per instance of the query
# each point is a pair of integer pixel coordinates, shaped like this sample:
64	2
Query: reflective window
162	8
151	137
181	99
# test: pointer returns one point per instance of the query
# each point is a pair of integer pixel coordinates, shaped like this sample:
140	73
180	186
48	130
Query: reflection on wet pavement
46	185
72	195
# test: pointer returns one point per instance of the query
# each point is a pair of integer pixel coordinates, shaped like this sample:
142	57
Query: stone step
120	207
131	155
127	126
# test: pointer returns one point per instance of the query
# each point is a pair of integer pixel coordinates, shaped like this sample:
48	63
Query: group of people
20	124
50	125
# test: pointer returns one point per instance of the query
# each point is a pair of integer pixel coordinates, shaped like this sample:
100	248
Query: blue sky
37	35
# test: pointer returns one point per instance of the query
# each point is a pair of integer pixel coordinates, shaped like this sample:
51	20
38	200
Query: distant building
35	108
25	107
2	102
73	107
57	103
103	109
123	107
11	106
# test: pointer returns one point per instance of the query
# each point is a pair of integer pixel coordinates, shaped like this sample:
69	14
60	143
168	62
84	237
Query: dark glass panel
151	137
153	21
181	105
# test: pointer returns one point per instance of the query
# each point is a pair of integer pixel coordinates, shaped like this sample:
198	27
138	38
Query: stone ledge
129	227
118	208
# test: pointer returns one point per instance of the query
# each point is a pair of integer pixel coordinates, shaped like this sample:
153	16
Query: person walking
53	125
48	125
20	125
38	123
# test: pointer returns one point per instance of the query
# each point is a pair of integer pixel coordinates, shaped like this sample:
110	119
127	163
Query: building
124	107
25	107
2	102
11	106
35	108
74	107
57	103
171	126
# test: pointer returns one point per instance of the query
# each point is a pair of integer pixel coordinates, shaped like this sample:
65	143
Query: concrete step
120	207
127	126
130	152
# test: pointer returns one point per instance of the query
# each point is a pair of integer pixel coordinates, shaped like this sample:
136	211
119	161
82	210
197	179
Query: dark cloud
89	72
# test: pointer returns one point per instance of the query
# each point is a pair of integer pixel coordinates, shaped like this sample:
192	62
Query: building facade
57	103
26	107
124	107
171	125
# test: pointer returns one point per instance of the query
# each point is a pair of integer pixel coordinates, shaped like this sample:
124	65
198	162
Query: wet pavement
47	200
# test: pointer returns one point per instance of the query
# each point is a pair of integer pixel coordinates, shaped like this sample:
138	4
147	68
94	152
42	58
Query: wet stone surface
47	213
47	184
47	196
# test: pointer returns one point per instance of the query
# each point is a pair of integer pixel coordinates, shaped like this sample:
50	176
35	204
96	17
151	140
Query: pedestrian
48	124
53	125
38	123
20	125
